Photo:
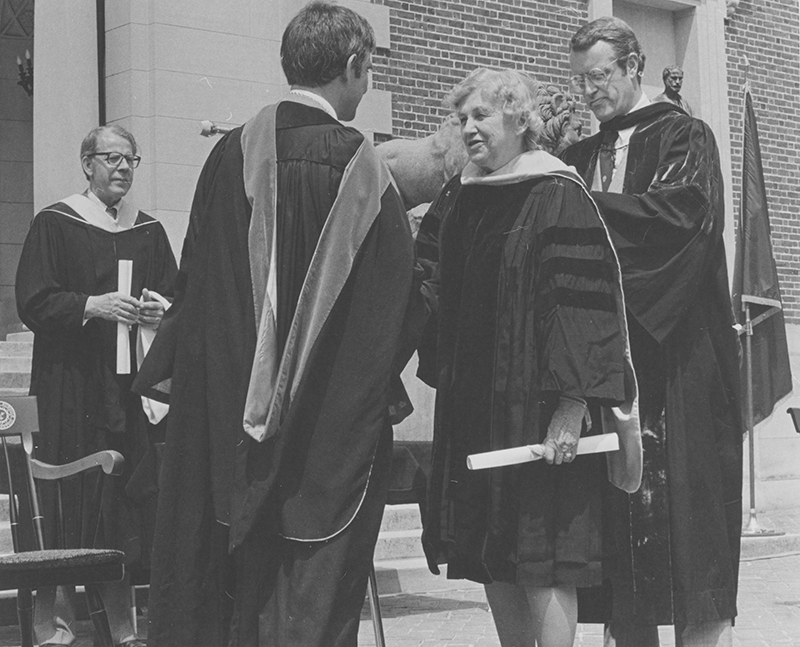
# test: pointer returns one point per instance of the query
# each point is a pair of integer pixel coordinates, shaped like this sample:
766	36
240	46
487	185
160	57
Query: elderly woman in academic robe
530	347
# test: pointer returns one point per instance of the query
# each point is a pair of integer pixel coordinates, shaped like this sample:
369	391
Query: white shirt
620	154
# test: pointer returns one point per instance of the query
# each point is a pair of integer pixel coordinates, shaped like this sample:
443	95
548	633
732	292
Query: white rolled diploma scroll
124	272
527	453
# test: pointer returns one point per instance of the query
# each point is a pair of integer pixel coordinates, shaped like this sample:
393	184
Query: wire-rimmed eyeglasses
598	77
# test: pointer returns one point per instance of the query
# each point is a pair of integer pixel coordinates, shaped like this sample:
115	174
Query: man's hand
151	310
113	306
564	431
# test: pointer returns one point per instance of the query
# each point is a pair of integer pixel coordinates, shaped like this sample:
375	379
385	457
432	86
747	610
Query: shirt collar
625	134
126	212
103	206
321	101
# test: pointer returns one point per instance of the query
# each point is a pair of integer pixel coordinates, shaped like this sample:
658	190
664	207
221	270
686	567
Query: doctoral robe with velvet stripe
678	539
529	308
84	406
311	478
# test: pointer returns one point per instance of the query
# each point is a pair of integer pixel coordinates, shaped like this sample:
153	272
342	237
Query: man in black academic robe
278	353
67	294
654	172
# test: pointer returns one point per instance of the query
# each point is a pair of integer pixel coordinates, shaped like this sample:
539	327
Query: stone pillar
65	105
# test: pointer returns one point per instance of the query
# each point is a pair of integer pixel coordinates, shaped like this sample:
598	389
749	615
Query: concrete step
16	348
7	391
401	517
399	544
16	364
6	542
759	547
20	336
18	380
413	576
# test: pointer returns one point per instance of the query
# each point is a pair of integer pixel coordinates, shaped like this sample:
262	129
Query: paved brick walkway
769	609
769	613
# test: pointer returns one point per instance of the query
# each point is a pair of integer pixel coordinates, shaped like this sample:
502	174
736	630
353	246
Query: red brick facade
766	34
436	42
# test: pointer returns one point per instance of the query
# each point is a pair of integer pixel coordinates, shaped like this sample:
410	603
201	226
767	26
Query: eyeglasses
598	77
115	159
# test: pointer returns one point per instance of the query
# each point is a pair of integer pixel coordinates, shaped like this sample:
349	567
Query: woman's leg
527	616
554	612
511	614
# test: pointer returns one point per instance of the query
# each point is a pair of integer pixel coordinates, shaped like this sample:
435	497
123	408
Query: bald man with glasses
673	547
67	294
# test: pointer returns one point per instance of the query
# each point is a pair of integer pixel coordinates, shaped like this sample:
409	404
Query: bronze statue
673	81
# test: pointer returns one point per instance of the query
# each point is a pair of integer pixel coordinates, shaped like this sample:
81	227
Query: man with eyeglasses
67	294
673	547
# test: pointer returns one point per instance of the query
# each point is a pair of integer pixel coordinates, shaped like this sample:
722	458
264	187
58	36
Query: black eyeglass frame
132	160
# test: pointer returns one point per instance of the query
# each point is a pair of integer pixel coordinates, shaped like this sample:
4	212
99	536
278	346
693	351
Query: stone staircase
15	363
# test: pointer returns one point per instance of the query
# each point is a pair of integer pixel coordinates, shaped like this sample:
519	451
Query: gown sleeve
154	379
578	313
667	231
44	303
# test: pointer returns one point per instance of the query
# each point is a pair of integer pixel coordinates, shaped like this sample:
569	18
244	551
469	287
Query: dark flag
755	281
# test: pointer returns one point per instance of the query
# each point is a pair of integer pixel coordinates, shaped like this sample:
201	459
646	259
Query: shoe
133	642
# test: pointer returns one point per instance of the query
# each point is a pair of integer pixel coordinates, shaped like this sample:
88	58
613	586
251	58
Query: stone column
65	105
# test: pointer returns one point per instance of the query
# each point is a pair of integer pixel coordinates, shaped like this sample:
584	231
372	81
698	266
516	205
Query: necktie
112	211
605	157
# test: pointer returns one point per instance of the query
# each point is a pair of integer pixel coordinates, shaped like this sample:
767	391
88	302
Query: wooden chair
32	566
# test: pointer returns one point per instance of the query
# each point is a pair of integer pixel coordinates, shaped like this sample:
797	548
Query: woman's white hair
514	92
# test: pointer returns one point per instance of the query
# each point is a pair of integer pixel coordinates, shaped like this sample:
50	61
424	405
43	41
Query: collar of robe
528	165
94	215
636	117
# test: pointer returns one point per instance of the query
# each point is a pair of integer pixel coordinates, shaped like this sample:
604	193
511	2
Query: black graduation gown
529	308
84	406
209	360
678	538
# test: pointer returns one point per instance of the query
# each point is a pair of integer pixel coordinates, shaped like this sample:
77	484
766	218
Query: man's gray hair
89	144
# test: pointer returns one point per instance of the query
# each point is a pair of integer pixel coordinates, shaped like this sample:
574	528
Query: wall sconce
26	74
211	128
730	8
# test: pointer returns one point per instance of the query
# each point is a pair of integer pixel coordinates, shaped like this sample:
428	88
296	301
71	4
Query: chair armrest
109	461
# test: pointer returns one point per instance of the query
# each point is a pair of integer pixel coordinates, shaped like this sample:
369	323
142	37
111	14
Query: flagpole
753	528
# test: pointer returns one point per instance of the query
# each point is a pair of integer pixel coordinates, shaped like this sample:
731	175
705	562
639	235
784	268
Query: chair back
19	420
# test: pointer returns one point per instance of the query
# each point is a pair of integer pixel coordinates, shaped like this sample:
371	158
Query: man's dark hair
616	33
320	39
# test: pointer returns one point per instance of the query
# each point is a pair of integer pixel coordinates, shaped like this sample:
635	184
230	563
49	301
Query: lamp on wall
26	73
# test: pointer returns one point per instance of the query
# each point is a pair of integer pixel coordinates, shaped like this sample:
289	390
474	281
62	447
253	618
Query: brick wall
765	34
436	43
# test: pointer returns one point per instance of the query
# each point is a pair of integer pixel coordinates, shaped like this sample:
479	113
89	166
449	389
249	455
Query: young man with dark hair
655	174
292	292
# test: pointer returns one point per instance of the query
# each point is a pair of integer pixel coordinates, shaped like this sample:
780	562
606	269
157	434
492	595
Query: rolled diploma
124	272
527	453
